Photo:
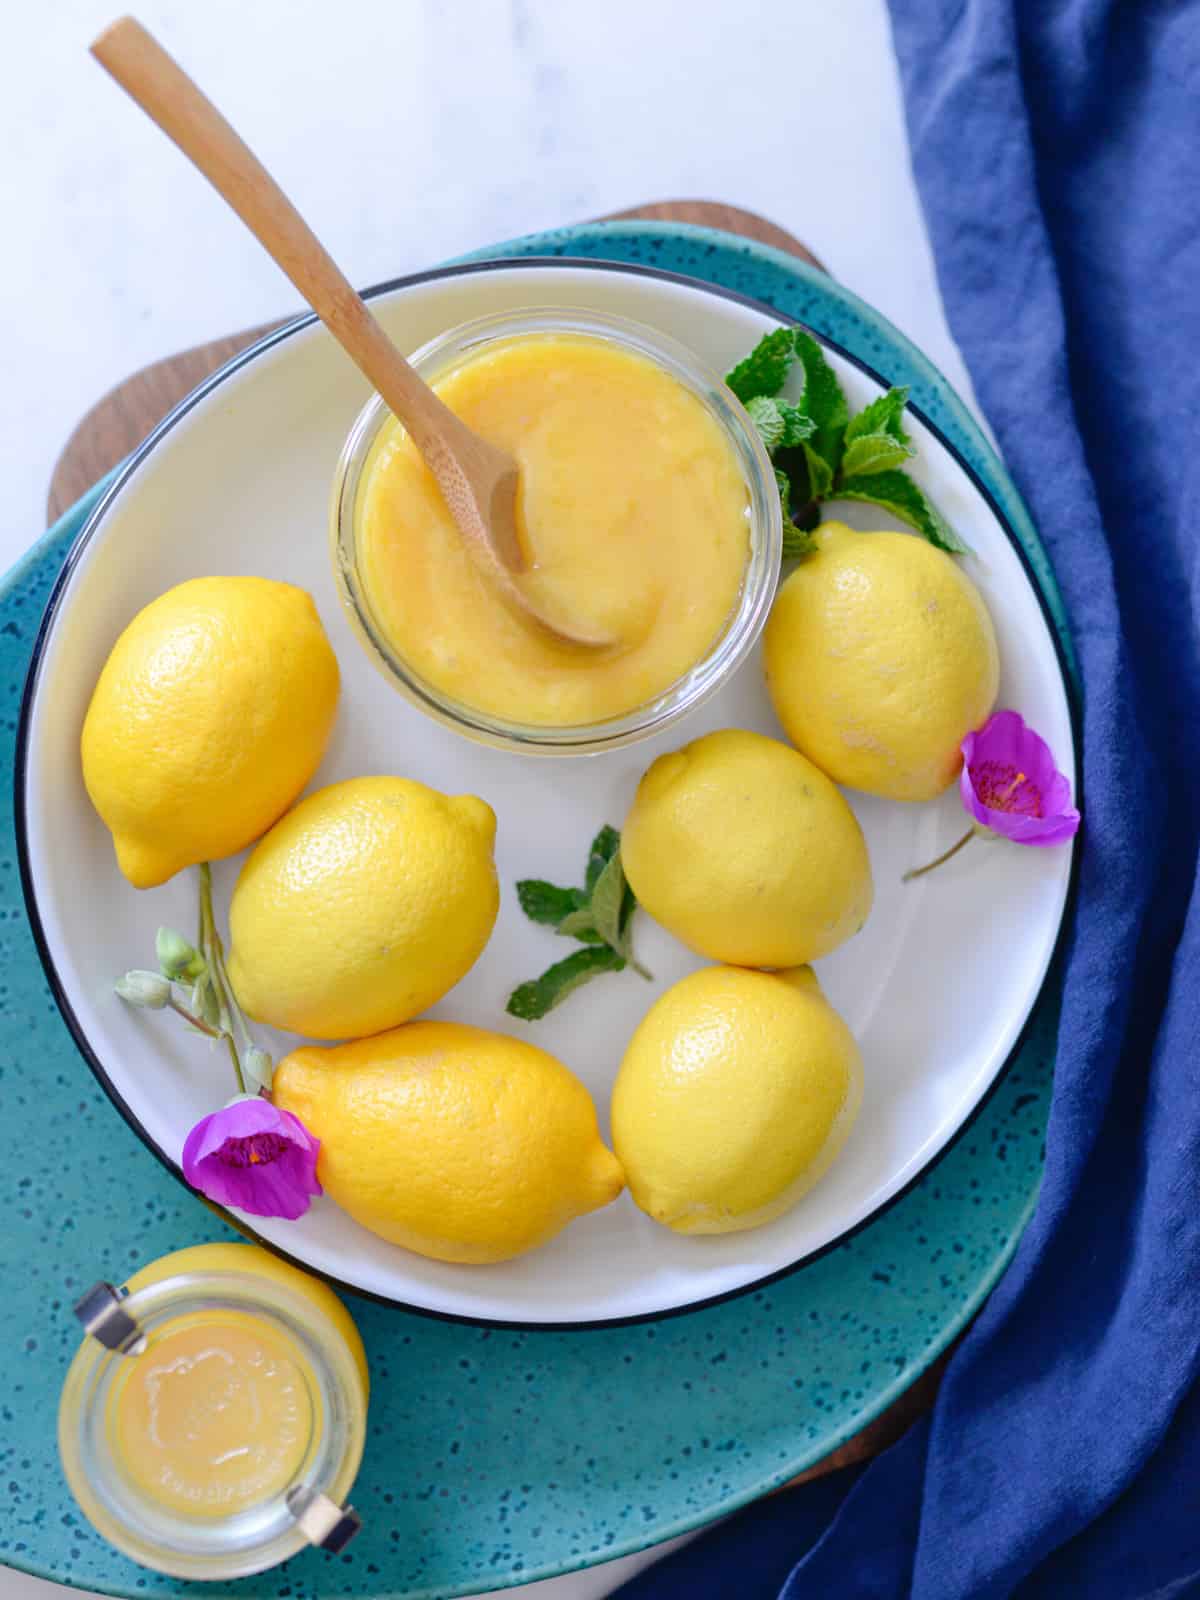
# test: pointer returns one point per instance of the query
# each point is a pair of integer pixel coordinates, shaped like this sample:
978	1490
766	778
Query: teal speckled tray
496	1457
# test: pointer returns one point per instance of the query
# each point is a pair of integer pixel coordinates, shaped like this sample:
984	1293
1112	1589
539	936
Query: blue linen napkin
1056	145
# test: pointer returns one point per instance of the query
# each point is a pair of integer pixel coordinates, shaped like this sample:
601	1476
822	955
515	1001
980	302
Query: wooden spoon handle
165	92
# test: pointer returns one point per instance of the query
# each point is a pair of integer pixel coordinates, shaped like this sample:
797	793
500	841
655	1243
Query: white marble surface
408	131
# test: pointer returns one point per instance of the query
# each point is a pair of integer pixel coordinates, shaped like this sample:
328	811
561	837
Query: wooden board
119	421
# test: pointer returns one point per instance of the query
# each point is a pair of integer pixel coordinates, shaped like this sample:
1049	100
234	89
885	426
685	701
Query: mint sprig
531	1001
820	452
598	916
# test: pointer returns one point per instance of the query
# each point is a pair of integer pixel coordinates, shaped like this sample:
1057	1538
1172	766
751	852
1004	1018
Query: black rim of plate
87	532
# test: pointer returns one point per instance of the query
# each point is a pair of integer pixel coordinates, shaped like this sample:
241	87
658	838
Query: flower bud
150	990
259	1066
177	958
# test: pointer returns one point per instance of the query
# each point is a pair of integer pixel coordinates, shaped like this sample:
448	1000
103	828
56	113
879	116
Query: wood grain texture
119	422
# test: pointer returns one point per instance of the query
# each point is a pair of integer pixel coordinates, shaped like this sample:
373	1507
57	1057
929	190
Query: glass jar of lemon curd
648	509
212	1422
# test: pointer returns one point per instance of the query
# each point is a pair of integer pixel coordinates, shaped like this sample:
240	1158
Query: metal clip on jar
153	1427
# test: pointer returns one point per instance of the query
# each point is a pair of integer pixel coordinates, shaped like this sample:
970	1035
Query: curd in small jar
197	1451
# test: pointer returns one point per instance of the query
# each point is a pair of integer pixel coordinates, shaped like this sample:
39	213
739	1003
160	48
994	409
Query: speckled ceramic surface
496	1457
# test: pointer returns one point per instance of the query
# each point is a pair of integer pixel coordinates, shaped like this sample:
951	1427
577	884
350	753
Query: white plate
936	987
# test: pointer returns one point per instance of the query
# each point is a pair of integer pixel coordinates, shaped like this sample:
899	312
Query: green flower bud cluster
209	1006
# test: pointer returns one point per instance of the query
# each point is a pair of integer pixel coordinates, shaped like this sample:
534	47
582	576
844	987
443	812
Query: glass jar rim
211	1548
746	619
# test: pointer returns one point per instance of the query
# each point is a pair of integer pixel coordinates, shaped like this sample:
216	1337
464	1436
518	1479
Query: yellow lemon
452	1141
211	714
881	657
737	1092
745	851
362	907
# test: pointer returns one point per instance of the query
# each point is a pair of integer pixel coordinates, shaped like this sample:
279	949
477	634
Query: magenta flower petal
1009	783
253	1156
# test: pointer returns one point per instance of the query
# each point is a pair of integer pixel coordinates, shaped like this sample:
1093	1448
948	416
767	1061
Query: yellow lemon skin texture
454	1142
880	658
746	852
251	1258
362	907
736	1094
210	715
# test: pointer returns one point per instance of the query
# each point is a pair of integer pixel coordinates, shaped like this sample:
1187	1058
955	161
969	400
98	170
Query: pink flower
1010	784
253	1156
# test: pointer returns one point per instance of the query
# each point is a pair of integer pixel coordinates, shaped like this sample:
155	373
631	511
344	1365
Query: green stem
235	1010
231	1016
196	1022
919	872
236	1062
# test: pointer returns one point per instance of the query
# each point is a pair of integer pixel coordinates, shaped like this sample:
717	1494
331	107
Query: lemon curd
635	513
247	1388
215	1416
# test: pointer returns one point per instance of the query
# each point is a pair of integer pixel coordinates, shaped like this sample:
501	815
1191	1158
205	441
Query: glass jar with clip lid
212	1422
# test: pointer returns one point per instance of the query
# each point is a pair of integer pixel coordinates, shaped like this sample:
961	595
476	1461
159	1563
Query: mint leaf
881	416
820	473
599	916
780	426
612	908
531	1001
874	452
764	371
784	484
908	501
629	904
796	543
823	400
580	925
604	847
607	897
797	424
545	902
768	421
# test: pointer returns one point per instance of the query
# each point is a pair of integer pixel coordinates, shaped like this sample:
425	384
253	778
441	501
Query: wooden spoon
478	481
